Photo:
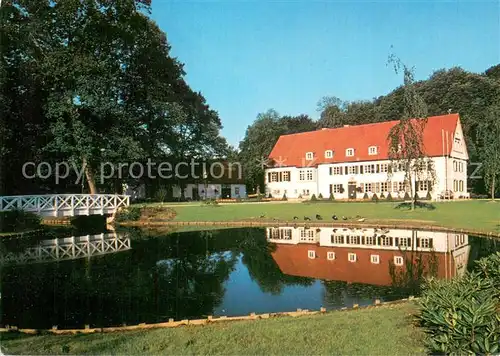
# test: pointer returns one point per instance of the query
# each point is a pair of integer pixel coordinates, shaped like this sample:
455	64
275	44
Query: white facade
211	191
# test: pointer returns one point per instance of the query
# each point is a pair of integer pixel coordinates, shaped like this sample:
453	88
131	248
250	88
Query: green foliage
320	196
284	197
375	198
18	220
332	197
161	194
382	196
210	202
270	196
389	197
313	198
407	196
132	213
462	316
428	196
366	197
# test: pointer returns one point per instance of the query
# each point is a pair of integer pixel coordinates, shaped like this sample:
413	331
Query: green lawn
478	215
386	330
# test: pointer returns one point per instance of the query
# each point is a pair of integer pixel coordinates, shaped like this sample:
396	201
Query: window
377	188
305	192
369	168
395	187
423	185
386	241
372	150
398	260
328	154
384	187
309	156
375	259
309	174
337	239
368	187
455	185
349	152
455	165
274	176
384	167
311	254
330	256
461	185
354	240
286	176
403	241
424	242
337	170
371	240
352	169
336	188
237	190
301	175
351	257
276	192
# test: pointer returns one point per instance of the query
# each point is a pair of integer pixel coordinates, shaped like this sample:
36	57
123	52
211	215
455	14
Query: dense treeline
89	81
476	97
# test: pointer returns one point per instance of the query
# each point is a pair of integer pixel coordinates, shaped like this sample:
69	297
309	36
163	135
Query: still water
135	276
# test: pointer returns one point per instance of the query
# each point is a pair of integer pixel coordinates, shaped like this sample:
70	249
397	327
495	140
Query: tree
332	111
489	135
406	144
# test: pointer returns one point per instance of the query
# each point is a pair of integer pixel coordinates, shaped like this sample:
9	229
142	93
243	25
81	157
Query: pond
135	276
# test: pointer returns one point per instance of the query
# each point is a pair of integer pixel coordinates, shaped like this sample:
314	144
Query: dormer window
328	154
349	152
309	156
372	150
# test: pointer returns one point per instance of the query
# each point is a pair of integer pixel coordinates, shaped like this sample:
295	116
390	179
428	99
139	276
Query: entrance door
351	190
226	191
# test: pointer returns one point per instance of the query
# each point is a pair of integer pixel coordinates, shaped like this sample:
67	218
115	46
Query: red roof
293	260
291	150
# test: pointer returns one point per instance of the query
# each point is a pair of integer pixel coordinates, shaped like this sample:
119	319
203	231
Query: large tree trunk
90	176
493	188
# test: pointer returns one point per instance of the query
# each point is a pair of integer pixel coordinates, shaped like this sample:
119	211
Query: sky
246	57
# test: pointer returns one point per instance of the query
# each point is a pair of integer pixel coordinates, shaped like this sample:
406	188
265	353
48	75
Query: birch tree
406	141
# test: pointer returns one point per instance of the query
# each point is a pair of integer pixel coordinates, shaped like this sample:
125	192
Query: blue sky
249	56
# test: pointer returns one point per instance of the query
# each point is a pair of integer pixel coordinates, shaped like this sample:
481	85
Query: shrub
407	196
18	220
210	202
313	198
375	198
382	196
462	316
300	196
366	196
132	213
320	196
428	196
389	197
161	194
284	197
331	197
270	196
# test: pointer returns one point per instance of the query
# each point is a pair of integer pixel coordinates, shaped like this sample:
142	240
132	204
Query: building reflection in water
367	255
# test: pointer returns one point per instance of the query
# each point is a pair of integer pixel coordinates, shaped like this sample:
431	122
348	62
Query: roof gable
290	150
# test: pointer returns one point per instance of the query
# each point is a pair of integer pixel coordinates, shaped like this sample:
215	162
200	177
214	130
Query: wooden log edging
285	223
197	322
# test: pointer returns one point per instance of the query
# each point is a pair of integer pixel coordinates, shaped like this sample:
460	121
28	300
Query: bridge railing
68	248
65	204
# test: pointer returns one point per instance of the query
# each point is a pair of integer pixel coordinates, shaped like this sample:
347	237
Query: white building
353	160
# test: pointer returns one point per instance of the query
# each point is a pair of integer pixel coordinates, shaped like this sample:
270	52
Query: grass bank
483	216
385	330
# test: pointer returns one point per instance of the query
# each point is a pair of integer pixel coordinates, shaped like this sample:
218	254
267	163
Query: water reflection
150	276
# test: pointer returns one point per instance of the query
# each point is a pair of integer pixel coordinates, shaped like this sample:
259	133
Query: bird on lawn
307	218
334	217
318	217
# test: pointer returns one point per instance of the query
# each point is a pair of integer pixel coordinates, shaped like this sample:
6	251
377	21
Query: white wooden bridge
68	248
60	205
